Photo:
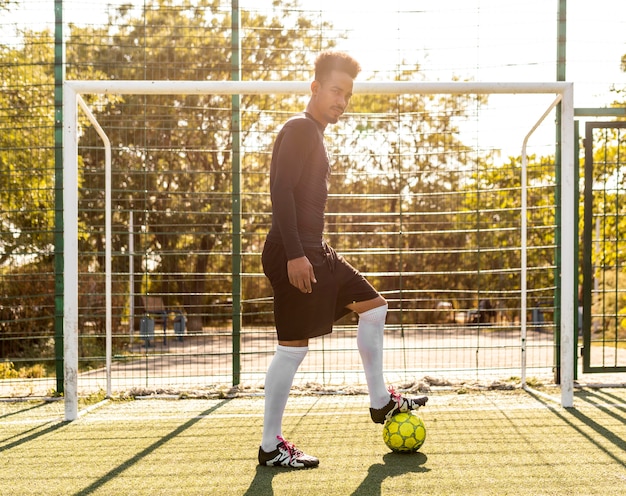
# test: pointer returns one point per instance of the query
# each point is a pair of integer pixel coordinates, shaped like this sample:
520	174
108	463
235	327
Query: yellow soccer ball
404	433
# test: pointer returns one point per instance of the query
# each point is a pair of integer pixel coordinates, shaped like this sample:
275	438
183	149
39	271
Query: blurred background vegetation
428	214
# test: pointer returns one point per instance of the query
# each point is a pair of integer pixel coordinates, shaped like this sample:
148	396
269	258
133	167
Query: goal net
447	196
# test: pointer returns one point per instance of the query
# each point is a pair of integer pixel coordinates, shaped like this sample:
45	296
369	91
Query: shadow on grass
565	415
262	482
35	433
27	408
602	399
112	474
393	464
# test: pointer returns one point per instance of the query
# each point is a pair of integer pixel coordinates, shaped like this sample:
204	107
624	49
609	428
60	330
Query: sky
488	40
479	40
491	40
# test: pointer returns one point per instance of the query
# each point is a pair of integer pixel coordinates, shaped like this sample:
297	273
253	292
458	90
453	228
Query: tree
26	163
497	229
27	199
399	158
173	153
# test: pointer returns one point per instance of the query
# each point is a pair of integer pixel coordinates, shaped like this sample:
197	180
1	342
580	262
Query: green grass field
478	443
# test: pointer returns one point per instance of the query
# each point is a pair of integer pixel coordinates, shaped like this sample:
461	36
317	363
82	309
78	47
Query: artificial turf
478	443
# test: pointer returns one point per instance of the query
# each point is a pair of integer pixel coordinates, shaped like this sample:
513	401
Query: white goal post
72	91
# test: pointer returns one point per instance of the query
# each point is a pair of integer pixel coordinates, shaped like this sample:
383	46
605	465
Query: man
312	285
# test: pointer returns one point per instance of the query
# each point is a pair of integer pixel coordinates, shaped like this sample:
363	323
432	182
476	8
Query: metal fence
601	297
425	200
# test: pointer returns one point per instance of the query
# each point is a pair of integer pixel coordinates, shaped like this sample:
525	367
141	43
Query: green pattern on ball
404	433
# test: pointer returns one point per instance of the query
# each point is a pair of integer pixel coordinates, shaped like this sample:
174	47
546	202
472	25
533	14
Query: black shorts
300	315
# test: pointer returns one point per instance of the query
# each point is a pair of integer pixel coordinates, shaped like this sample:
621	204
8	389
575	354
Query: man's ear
315	86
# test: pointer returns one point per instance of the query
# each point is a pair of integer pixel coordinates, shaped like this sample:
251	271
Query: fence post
236	194
59	77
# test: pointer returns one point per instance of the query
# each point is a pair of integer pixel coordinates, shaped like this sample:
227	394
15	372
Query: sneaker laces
395	396
293	452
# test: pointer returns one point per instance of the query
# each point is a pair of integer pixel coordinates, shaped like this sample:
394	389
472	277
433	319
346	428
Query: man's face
331	97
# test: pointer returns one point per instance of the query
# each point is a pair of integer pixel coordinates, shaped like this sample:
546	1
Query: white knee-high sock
278	383
369	340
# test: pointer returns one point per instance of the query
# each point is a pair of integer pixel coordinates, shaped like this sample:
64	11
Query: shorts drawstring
330	256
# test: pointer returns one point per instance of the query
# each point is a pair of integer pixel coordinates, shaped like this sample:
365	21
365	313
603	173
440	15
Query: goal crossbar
72	91
120	87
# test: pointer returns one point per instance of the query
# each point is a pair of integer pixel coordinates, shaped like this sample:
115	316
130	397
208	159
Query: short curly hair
329	61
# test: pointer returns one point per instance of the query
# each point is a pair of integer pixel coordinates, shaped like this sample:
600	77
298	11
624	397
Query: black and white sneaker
287	455
397	404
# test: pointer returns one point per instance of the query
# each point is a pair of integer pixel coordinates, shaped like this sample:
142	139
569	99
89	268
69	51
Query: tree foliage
27	197
414	205
26	161
173	153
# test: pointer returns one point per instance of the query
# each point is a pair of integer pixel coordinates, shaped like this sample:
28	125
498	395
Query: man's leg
369	341
383	403
274	449
278	383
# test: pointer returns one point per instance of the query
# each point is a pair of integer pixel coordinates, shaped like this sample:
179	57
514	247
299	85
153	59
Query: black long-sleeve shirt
299	176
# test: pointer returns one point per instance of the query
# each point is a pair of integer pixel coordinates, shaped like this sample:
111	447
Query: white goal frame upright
72	91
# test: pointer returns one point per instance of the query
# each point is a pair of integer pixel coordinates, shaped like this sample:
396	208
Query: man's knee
361	307
375	315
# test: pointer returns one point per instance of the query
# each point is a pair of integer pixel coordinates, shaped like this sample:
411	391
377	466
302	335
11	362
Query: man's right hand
301	274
